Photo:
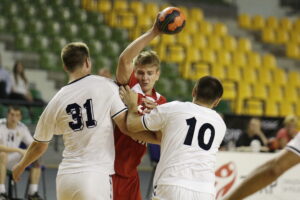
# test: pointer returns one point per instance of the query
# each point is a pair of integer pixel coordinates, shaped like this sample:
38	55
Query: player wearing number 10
191	135
83	112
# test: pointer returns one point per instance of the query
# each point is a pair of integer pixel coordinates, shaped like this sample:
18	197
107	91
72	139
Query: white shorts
84	186
12	159
167	192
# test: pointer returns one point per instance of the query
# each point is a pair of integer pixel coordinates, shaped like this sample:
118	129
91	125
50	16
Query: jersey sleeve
117	105
45	128
153	121
294	145
27	138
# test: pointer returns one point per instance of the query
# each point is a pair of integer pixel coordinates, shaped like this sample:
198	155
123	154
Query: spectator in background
20	87
252	133
288	132
5	82
105	72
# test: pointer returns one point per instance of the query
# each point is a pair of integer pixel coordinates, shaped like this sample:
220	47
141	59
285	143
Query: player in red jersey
140	70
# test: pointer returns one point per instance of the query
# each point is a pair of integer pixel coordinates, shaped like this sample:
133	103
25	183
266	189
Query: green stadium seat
45	13
3	111
111	49
70	31
87	32
72	4
16	25
26	118
34	27
79	16
180	89
119	35
100	62
10	9
52	29
23	42
3	24
36	113
50	61
57	44
103	33
164	86
40	43
95	47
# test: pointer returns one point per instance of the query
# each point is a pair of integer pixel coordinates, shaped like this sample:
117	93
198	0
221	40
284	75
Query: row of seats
276	31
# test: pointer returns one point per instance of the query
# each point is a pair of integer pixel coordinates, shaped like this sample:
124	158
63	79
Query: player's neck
11	125
203	104
77	75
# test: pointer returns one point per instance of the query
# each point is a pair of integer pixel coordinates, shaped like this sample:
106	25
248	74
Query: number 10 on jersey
75	111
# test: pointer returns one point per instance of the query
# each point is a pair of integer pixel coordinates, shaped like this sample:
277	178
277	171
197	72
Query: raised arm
265	175
125	67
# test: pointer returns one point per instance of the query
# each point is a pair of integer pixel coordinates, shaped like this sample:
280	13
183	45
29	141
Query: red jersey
128	151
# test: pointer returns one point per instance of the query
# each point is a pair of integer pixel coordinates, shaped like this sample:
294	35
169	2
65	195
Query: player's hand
129	97
155	26
17	172
149	105
22	151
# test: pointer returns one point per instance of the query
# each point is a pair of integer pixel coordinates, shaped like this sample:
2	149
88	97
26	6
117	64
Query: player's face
13	117
147	75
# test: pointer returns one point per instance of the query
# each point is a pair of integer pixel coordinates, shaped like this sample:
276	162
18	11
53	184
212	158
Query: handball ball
171	20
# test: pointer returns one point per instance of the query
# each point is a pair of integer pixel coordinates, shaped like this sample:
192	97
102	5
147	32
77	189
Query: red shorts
126	188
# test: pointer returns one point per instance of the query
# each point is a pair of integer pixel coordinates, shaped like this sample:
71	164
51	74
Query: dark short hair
10	108
74	55
208	89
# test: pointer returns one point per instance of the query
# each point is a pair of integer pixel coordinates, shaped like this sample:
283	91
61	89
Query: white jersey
82	112
294	145
14	137
191	136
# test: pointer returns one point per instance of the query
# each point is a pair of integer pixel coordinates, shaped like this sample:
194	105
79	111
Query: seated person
12	133
253	132
288	132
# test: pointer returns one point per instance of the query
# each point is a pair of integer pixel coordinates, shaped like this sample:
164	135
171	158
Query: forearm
34	152
258	179
8	149
146	136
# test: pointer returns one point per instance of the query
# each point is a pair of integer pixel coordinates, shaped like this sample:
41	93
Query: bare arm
145	136
264	175
11	149
34	152
125	66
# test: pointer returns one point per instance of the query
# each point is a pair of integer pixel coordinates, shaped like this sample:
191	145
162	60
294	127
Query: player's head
208	90
14	115
147	70
290	123
76	55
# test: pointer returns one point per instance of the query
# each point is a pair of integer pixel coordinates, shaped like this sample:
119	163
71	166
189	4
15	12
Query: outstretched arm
11	149
34	152
125	66
265	175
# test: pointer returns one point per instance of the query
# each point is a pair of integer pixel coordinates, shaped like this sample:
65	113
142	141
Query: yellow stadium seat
184	10
292	50
196	14
89	5
279	76
205	27
296	26
199	41
272	109
223	57
268	35
198	70
290	94
260	91
126	20
272	22
137	7
184	39
285	23
120	5
220	29
254	59
175	53
218	71
295	37
244	21
244	92
294	78
193	55
191	27
249	75
244	45
230	90
269	61
298	109
229	43
287	108
164	5
265	75
151	9
104	6
233	73
275	93
167	39
282	36
254	107
143	21
208	55
257	23
239	59
214	42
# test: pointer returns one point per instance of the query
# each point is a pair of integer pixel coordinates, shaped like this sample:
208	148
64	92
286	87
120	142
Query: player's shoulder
171	106
2	121
21	125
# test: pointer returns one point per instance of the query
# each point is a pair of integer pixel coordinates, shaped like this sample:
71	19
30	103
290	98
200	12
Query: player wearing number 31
83	112
191	135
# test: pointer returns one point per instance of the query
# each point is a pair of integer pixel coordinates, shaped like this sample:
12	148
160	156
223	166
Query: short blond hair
146	58
290	119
